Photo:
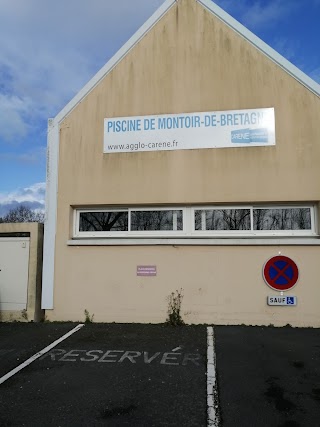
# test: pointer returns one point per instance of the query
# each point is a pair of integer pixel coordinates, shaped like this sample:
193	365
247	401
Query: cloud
232	6
49	51
285	47
13	113
32	197
34	194
259	14
262	14
34	206
32	157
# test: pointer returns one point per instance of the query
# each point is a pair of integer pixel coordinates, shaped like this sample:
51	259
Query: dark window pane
282	219
197	220
103	221
223	219
156	220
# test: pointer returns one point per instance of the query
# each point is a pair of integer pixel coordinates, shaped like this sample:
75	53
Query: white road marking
176	349
212	394
39	354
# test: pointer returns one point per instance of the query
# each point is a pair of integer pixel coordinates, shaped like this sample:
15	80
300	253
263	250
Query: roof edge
272	54
121	53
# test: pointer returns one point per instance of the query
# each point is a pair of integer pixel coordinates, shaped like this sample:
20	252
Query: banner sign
190	131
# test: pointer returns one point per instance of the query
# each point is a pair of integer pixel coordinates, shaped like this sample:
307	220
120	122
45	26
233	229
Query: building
21	272
188	161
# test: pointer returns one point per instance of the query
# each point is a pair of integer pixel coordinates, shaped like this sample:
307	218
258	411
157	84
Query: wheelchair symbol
290	300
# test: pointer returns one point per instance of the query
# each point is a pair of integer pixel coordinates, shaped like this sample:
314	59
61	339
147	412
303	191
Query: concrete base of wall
188	318
22	316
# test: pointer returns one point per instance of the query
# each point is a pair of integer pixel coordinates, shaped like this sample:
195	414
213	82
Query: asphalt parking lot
156	375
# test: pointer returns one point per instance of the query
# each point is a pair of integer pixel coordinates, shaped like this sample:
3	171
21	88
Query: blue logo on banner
247	136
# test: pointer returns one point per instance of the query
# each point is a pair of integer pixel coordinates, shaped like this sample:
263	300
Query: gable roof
219	13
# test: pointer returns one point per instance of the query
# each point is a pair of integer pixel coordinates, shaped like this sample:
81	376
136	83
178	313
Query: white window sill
249	241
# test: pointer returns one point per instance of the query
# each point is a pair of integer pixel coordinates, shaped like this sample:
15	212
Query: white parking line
212	394
40	353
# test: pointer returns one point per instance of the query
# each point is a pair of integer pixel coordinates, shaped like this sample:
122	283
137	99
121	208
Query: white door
14	263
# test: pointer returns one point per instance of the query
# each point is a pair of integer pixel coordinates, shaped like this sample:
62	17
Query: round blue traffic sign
280	273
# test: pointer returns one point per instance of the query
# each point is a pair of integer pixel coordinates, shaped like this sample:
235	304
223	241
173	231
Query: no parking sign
280	273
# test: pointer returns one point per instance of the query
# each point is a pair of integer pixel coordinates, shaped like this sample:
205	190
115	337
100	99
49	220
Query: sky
50	49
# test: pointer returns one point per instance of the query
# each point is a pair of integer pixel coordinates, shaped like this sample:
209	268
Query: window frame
252	232
309	232
188	223
139	233
78	233
221	233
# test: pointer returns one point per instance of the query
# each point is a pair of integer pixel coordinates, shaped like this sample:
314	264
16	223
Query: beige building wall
221	285
189	62
33	311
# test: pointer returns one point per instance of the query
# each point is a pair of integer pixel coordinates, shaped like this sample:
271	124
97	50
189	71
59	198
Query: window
222	219
255	221
103	221
155	220
124	222
282	219
199	221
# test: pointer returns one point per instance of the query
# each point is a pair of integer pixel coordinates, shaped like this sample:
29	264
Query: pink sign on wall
146	270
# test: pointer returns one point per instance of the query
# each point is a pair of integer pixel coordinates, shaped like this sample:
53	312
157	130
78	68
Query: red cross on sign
280	273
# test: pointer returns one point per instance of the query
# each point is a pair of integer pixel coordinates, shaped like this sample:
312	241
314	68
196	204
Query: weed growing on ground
88	318
24	314
174	308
